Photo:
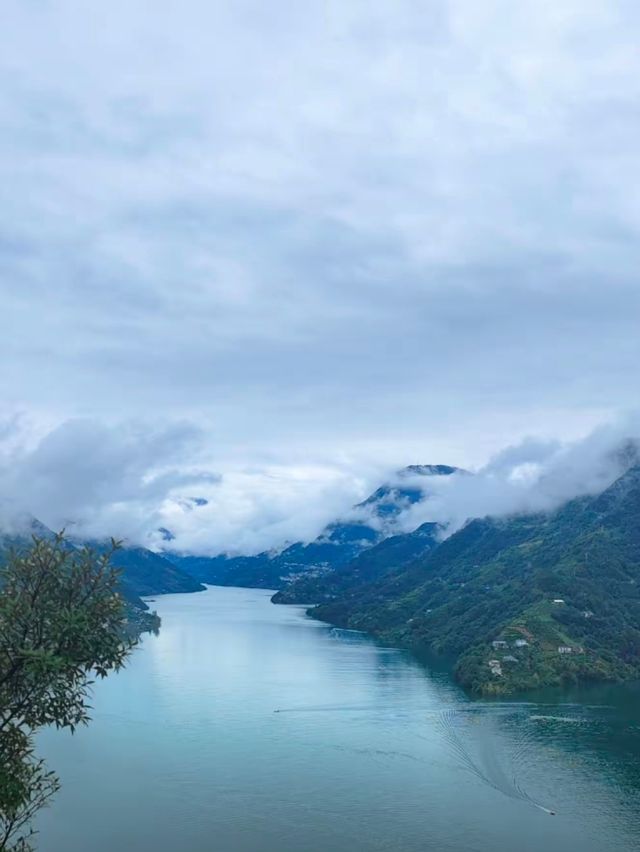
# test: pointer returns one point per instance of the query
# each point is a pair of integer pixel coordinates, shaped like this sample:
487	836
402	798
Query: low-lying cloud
158	486
98	480
532	476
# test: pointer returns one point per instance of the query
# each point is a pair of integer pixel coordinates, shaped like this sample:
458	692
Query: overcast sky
300	244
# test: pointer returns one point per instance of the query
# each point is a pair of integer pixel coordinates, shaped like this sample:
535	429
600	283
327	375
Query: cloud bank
532	476
133	482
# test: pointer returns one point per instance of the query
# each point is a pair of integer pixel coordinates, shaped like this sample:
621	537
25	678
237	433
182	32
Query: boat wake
483	762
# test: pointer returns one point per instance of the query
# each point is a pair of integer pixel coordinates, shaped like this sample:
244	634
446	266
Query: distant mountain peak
391	498
429	470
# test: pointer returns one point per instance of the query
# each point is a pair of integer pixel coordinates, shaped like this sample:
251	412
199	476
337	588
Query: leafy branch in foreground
62	624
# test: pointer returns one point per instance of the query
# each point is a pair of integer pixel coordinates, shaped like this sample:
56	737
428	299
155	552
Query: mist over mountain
369	522
155	487
534	476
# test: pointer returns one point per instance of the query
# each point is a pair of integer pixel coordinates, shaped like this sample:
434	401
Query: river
249	727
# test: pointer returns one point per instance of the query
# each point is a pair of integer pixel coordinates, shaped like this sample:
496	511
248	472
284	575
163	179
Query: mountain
518	602
22	530
368	567
143	572
146	573
340	542
140	618
391	498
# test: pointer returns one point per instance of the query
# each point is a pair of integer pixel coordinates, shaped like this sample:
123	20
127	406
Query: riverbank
185	746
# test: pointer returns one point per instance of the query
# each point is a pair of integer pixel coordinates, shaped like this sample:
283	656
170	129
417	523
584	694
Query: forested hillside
368	567
558	594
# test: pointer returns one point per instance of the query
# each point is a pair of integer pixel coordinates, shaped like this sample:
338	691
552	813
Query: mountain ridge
558	593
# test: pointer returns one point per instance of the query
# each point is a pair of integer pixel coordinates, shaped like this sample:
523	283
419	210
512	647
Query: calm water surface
246	727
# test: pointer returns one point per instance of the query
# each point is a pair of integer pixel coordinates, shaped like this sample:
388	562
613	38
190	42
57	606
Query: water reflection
246	727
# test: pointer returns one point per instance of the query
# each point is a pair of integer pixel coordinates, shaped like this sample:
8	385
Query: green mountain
518	602
368	567
144	573
338	544
268	570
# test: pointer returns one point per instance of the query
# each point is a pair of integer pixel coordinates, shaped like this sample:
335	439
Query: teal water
247	727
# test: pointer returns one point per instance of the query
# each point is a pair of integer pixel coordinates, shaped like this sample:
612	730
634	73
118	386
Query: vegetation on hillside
558	593
370	566
143	572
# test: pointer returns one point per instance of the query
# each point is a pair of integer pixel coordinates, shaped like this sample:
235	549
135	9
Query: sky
263	254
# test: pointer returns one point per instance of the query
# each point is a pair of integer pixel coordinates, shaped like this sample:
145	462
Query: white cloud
131	480
530	477
262	509
98	480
